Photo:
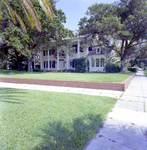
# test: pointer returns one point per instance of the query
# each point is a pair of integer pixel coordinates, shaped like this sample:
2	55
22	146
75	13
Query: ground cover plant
93	77
34	120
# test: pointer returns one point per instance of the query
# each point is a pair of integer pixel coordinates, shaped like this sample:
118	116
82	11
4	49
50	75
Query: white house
52	60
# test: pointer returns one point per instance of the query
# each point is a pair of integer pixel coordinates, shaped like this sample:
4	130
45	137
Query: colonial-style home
96	58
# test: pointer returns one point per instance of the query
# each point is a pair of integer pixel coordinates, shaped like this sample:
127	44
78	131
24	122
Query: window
92	62
102	62
46	64
50	52
46	53
75	48
61	53
98	50
72	64
97	62
53	64
90	49
50	64
43	53
63	64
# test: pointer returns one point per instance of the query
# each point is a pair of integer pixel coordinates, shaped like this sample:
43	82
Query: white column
57	60
78	49
48	61
67	60
41	59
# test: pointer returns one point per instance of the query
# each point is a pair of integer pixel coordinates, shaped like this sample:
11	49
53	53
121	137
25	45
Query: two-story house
54	60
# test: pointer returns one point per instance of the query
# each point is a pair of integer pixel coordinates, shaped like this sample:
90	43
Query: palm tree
30	12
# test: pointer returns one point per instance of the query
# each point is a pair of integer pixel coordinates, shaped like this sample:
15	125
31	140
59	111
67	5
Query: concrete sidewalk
97	92
126	124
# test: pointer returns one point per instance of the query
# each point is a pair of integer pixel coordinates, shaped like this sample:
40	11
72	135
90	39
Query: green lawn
145	72
95	77
32	120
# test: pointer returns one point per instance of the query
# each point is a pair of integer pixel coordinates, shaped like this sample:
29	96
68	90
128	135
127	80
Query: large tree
28	44
120	26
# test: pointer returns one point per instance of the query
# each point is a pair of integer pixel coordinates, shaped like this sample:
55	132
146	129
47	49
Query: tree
28	44
120	26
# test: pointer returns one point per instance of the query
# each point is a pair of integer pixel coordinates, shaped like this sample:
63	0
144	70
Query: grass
145	72
46	120
93	77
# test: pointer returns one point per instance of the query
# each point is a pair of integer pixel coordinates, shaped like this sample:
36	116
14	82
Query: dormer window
98	50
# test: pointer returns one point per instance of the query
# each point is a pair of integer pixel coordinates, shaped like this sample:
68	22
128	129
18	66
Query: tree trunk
30	65
122	69
19	63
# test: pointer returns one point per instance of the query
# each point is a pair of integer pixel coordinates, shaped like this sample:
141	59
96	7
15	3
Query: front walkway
126	125
97	92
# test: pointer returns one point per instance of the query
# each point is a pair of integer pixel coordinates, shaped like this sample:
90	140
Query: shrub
59	70
80	65
70	70
37	70
3	66
112	68
133	69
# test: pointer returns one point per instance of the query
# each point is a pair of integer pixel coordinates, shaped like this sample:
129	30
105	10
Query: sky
76	9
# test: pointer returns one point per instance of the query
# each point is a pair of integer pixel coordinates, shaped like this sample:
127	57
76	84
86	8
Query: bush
3	66
133	69
112	68
80	65
37	70
59	70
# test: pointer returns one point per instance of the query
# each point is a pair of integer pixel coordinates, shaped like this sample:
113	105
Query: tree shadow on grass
76	136
8	95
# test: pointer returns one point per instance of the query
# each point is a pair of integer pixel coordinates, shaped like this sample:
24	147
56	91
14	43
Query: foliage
80	65
112	68
27	45
120	26
68	70
4	65
29	11
133	69
37	70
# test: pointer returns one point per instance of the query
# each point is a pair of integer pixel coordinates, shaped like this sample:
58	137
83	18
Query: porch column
41	59
67	60
48	61
57	60
78	49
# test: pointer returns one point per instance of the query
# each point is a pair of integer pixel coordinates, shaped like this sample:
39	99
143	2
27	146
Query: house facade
95	56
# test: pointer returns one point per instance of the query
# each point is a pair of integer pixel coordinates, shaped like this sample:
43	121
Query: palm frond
47	8
28	15
21	22
10	11
29	6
